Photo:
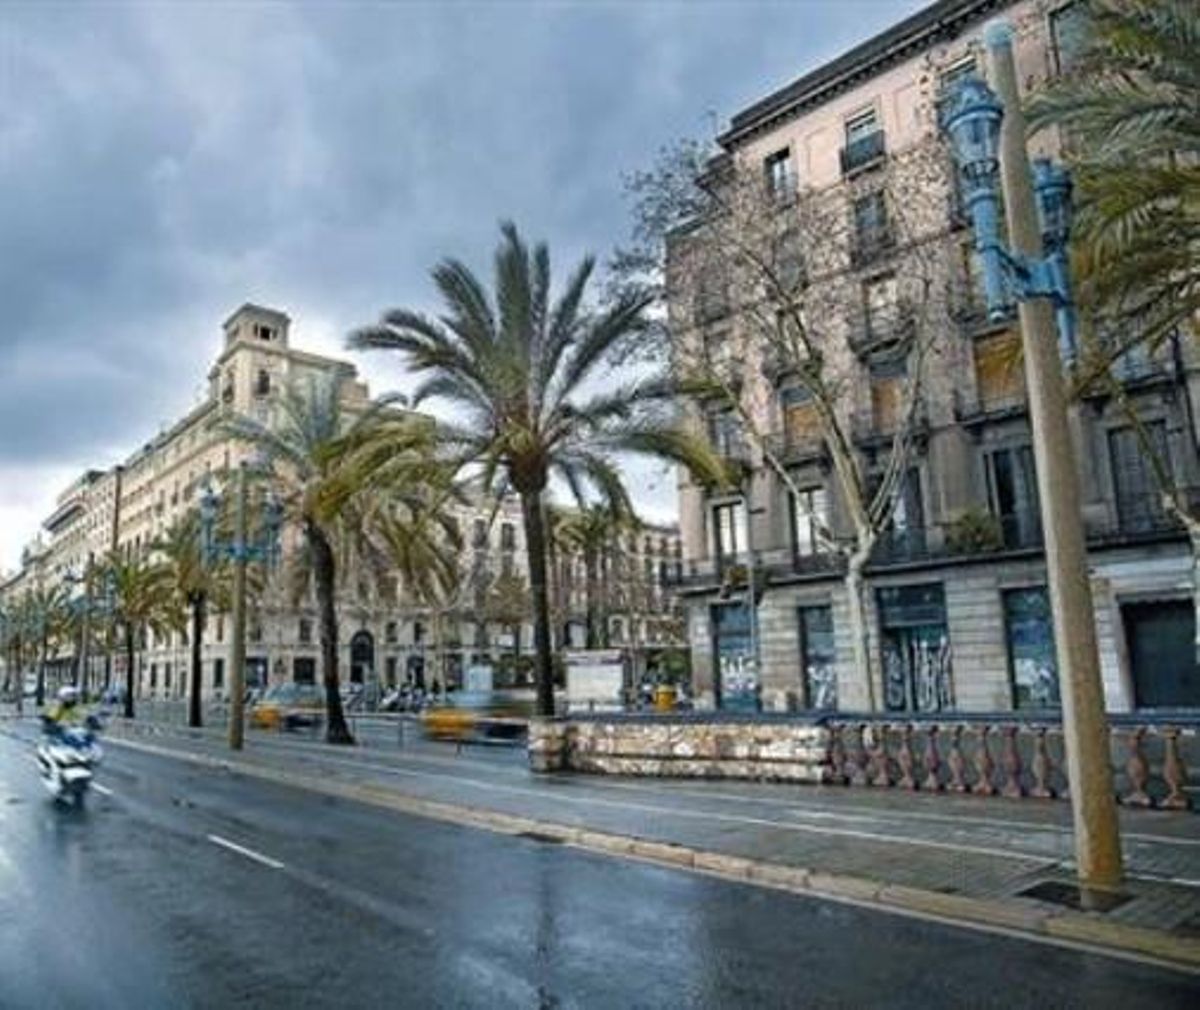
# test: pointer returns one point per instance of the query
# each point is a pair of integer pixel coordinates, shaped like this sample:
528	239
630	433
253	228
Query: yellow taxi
477	715
289	706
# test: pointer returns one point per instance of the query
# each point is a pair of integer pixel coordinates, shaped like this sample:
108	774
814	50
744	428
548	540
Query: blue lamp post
1029	266
972	122
241	549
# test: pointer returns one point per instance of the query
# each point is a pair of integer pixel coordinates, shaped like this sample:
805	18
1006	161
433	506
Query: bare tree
837	295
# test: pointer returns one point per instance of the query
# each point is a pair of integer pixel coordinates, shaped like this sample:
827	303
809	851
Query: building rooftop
941	20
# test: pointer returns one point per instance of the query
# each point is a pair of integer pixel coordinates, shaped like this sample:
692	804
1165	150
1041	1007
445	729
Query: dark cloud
160	164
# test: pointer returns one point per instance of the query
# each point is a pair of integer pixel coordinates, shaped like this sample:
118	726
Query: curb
1075	929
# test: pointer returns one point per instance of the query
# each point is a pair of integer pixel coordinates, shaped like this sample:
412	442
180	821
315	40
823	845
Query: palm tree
351	503
192	585
515	364
1132	129
52	621
139	589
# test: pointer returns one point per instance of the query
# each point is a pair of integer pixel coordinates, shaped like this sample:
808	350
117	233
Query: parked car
289	706
477	715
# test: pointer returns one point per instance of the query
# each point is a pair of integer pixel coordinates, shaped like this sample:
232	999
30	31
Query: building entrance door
1162	664
736	681
362	656
916	649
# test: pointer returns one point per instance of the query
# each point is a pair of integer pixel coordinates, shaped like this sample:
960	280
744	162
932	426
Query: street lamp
973	122
987	135
241	550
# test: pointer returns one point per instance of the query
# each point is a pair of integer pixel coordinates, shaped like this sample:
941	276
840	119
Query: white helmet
68	694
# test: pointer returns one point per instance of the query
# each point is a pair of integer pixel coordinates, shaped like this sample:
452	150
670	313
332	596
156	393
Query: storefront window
1031	660
737	676
917	673
817	657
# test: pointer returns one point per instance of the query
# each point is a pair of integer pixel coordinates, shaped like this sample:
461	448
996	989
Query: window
220	627
1070	26
1032	668
418	633
218	674
729	530
262	383
725	433
305	633
780	179
508	537
818	659
1139	501
861	125
264	332
864	141
882	307
711	296
153	676
479	533
391	633
871	218
256	631
810	517
1012	495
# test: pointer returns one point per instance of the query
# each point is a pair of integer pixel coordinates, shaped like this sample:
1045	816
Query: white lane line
241	850
102	790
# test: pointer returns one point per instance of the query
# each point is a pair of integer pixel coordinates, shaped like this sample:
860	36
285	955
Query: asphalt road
142	901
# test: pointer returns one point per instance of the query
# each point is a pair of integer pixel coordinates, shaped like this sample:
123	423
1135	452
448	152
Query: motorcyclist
66	710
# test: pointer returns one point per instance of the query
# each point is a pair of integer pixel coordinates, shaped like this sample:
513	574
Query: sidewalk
954	857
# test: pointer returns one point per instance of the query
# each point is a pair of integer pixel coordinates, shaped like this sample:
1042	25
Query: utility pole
1085	727
237	661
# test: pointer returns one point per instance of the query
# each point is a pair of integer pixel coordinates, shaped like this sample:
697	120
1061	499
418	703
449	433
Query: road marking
241	850
102	790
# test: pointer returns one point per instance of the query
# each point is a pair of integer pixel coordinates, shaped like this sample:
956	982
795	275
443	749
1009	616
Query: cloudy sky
162	163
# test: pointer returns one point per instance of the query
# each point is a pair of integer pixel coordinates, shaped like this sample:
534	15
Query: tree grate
1073	896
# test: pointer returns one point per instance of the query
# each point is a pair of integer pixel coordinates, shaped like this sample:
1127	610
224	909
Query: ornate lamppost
241	550
987	134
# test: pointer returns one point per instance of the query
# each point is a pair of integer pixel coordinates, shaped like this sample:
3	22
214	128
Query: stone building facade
957	612
384	637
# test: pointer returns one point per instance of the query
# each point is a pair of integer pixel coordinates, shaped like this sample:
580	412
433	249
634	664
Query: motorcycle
66	758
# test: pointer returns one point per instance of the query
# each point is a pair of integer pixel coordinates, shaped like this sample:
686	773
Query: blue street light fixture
972	122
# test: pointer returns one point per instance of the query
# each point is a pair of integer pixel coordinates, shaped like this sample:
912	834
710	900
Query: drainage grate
1074	896
539	836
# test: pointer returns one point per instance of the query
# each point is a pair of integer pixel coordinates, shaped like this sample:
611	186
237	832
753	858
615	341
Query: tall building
957	616
385	635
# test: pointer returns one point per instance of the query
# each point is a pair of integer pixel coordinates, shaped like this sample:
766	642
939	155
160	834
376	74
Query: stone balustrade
1005	758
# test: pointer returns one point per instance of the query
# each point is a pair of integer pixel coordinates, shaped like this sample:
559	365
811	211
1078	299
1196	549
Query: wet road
184	887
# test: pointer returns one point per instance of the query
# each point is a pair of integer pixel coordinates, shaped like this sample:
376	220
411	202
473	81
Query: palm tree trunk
535	546
129	654
592	591
198	606
325	578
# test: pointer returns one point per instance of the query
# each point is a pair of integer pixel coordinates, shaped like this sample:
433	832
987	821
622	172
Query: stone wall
682	747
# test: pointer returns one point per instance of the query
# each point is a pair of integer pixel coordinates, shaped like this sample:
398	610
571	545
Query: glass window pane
1031	656
818	657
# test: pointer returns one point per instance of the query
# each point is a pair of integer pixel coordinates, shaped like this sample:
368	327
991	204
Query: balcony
971	409
890	327
790	446
875	427
863	153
